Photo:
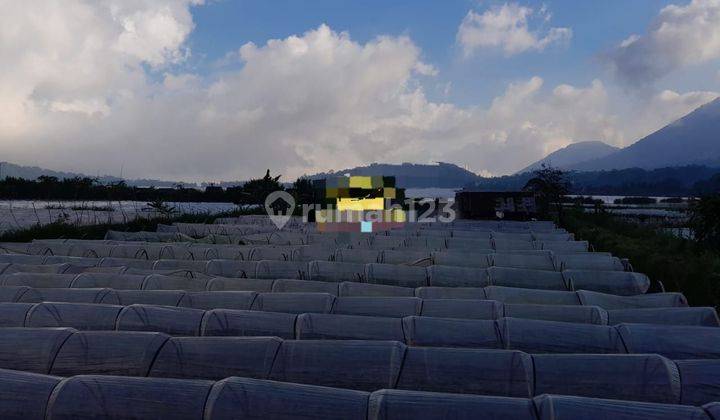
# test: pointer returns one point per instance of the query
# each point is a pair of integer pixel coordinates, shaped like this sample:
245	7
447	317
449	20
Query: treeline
90	189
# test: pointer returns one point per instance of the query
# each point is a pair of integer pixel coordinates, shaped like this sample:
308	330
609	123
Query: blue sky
598	26
212	90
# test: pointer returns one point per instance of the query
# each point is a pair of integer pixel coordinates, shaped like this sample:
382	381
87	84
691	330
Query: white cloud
79	97
78	56
525	123
507	28
663	108
679	36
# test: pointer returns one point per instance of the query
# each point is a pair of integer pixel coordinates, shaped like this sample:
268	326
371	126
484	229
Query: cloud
507	28
679	36
526	122
663	108
91	92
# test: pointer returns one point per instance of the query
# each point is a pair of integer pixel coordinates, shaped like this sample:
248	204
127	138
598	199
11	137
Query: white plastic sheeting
218	300
452	276
462	308
541	297
412	405
16	293
462	259
167	319
363	289
404	256
674	342
698	316
559	407
294	302
358	256
448	332
361	365
700	383
226	322
122	353
159	282
531	262
652	300
348	327
23	393
394	307
126	262
240	284
31	349
82	316
335	271
563	247
31	268
216	357
147	297
112	281
564	313
396	275
636	377
467	371
231	268
612	282
95	396
39	280
305	286
536	336
252	398
268	269
588	261
450	293
13	314
526	278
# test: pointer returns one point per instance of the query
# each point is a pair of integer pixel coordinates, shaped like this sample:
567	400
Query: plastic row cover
147	251
324	302
468	268
619	283
373	365
530	335
94	396
12	284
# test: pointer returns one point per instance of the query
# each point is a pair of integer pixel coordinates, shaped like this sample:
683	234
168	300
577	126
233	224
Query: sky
220	90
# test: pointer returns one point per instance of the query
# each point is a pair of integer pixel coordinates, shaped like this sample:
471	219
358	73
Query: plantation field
21	214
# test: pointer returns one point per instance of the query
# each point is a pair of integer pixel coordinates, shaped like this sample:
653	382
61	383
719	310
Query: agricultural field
21	214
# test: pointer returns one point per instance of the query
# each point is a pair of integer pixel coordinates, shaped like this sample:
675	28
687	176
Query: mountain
671	181
573	154
411	175
8	169
692	140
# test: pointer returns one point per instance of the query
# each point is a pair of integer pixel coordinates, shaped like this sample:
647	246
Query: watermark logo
279	205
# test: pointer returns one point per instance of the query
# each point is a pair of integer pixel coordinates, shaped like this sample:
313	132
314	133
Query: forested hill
412	175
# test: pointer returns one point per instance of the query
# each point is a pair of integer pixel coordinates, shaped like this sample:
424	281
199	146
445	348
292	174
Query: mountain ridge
572	154
690	140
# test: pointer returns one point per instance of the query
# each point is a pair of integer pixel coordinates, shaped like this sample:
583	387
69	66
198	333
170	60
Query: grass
681	264
82	207
64	230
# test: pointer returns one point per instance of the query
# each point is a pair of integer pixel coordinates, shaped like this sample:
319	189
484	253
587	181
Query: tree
705	220
303	191
255	190
549	186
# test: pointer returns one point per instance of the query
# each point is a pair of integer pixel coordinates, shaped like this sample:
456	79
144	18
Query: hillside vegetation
682	265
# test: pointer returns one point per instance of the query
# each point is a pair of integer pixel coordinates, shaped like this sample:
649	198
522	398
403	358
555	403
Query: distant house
507	205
